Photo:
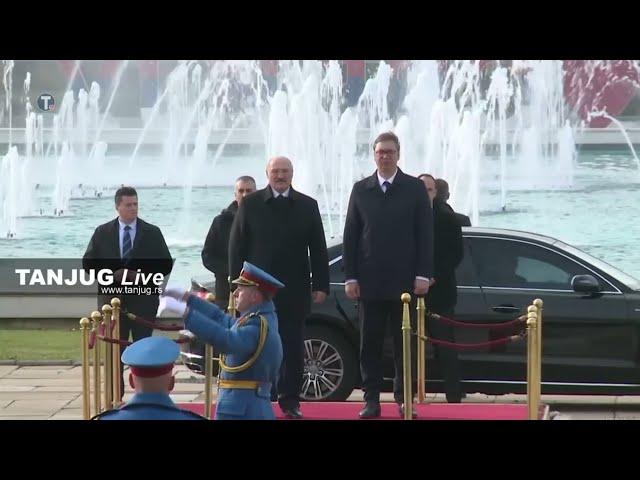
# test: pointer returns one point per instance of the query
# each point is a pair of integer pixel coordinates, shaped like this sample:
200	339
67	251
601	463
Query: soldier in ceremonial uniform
250	346
151	361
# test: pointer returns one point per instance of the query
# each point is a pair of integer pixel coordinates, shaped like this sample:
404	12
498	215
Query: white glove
171	305
178	293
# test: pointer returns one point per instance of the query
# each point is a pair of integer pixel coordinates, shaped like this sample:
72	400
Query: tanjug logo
46	102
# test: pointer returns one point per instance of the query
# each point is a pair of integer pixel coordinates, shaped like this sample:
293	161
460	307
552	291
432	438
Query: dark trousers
447	357
375	317
291	316
138	332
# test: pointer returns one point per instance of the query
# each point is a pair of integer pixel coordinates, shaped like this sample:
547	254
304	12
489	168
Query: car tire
332	381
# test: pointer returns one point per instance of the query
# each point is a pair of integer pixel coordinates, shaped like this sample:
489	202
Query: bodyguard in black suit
388	250
442	196
215	253
129	242
280	230
448	252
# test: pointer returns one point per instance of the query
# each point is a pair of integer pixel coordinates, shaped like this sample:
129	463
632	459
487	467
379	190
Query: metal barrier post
406	355
96	317
108	358
421	352
208	371
538	303
117	352
532	363
86	396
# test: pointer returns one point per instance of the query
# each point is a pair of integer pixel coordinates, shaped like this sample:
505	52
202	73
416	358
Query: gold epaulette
264	330
246	318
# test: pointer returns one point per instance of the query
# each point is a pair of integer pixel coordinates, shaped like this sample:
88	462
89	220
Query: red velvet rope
463	346
520	320
93	336
114	340
92	339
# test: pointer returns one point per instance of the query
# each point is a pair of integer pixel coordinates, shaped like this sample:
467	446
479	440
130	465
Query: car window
516	264
537	271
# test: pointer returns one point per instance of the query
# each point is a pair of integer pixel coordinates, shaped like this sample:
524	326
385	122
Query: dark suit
448	252
388	241
149	253
463	220
281	236
215	253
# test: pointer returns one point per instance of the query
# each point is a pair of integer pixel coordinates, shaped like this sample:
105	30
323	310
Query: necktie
280	201
385	186
126	242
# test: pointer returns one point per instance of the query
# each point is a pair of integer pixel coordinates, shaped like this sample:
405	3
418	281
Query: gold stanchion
86	396
117	352
421	353
406	356
532	363
108	358
538	303
208	373
96	317
208	370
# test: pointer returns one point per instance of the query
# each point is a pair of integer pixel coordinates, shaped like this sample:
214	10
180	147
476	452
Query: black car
591	321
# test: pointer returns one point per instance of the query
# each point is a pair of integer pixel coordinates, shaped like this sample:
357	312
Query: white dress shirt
284	194
381	180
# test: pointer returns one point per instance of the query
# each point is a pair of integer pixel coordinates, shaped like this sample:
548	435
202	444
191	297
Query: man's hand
420	287
171	305
318	297
352	289
177	293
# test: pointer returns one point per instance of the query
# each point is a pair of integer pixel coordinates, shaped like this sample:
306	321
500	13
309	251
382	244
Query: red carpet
433	411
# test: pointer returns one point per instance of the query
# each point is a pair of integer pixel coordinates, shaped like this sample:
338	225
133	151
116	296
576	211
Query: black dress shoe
455	397
293	413
414	413
370	410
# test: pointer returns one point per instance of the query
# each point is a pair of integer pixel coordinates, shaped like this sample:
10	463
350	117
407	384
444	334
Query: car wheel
330	365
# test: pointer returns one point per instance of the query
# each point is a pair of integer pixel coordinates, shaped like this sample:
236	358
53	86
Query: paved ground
54	393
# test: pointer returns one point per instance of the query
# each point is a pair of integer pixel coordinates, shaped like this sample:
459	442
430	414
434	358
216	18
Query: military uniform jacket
149	406
240	340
